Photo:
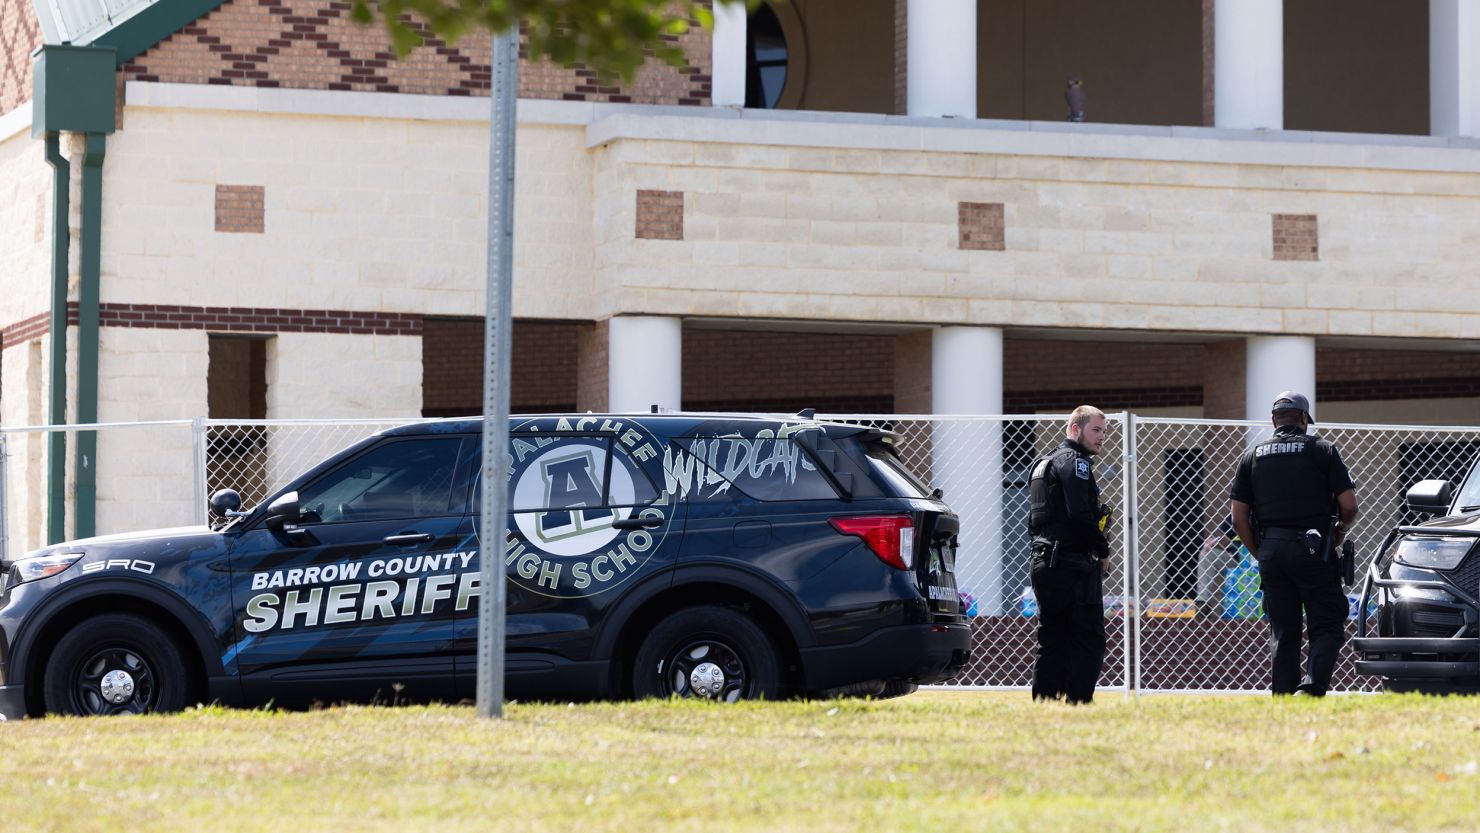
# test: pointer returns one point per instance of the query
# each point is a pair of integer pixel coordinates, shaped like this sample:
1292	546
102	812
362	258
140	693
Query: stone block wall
144	474
321	375
1178	243
376	215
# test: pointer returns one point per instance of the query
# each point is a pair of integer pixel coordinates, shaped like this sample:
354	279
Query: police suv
1426	584
648	556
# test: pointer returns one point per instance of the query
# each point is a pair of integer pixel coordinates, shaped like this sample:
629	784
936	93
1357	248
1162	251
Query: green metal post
56	441
85	516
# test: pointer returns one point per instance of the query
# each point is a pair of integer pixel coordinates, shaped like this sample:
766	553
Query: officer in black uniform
1286	492
1066	522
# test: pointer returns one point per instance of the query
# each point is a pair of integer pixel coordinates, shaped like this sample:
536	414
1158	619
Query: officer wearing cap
1285	493
1069	557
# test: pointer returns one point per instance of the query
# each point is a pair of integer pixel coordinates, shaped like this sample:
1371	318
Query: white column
1454	89
966	378
727	87
1249	64
941	58
644	363
1277	364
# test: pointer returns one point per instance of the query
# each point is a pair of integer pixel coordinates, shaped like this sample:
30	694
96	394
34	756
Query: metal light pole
498	333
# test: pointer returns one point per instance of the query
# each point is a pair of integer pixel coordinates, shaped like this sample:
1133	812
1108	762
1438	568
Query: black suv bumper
1428	658
922	653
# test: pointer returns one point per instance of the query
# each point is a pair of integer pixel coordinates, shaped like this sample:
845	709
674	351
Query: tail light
891	537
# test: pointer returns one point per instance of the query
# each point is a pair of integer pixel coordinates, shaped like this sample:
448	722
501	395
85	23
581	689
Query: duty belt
1294	536
1056	554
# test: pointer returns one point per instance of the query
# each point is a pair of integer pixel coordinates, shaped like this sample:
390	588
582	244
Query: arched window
766	58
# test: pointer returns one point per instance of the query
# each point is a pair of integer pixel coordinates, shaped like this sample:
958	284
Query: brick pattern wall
542	367
452	367
254	320
312	44
1296	237
26	329
1207	63
981	226
240	208
660	215
912	363
654	83
593	387
1224	371
901	57
1058	375
20	34
779	371
1352	375
224	320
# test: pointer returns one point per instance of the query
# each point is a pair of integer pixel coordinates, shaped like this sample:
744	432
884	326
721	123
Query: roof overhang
129	26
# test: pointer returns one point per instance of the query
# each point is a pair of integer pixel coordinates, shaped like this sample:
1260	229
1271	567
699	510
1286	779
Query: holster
1047	551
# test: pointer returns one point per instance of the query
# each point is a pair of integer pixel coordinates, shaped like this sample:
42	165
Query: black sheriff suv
667	555
1426	585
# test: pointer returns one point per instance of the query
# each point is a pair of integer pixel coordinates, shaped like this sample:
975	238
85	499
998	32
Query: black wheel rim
114	680
705	668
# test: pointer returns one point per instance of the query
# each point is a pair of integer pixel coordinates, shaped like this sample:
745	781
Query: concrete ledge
607	123
16	121
342	104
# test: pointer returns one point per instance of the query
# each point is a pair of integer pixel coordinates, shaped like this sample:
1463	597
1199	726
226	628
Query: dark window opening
765	59
1185	511
542	375
236	388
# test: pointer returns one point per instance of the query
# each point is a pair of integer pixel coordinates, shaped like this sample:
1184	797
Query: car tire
897	688
117	663
707	652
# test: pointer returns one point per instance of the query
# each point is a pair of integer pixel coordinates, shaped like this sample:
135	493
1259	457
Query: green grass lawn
934	761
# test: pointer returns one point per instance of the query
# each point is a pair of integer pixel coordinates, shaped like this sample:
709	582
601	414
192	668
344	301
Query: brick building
828	207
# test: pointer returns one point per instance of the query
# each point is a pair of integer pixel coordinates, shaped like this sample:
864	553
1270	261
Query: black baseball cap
1292	401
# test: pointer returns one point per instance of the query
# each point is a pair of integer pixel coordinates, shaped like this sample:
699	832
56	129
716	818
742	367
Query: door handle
407	539
637	523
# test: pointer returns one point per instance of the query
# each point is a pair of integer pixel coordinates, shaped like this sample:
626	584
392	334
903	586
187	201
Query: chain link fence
1182	603
258	457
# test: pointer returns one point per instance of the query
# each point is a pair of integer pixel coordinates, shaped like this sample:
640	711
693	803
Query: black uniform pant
1071	628
1293	581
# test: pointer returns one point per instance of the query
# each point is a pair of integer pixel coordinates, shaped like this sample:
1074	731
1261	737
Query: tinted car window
399	479
577	472
762	467
902	482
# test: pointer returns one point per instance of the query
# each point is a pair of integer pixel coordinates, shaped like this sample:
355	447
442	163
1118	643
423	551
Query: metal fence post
4	504
198	449
1131	577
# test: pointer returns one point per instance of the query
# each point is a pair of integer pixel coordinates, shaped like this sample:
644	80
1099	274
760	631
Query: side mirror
281	511
226	503
1431	496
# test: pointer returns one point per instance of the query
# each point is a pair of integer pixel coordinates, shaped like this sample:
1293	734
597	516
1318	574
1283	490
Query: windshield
1469	492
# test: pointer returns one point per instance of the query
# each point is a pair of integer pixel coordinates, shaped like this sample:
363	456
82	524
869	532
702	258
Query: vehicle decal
567	495
134	564
396	587
709	466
